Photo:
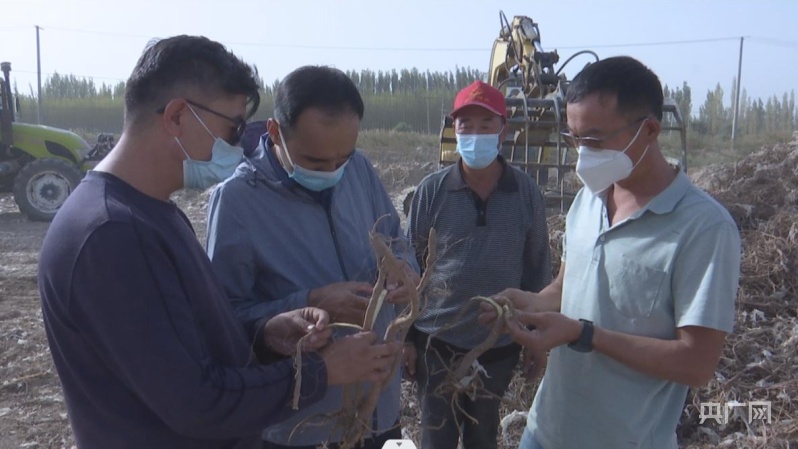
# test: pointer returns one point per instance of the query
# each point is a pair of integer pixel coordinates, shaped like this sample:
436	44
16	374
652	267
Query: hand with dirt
551	329
346	302
409	356
282	333
398	293
356	358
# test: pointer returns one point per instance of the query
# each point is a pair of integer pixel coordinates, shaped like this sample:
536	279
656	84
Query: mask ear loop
633	141
641	157
504	124
182	148
200	120
637	134
283	154
201	123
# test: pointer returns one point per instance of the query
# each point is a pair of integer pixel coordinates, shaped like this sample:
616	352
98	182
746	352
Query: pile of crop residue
759	360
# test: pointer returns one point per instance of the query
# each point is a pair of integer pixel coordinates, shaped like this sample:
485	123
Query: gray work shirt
483	247
271	242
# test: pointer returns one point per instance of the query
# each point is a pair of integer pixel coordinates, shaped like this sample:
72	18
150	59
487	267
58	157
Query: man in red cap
490	218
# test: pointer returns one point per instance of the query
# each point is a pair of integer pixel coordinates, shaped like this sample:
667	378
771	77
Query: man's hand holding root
356	358
540	332
346	302
522	302
397	292
283	332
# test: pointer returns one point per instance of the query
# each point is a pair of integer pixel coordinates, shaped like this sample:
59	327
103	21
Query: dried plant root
495	332
298	359
377	297
298	371
465	376
429	261
359	405
396	331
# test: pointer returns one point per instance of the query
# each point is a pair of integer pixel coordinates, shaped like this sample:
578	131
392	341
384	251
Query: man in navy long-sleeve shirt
145	343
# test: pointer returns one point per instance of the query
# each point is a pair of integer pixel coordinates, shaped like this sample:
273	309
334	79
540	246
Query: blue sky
103	39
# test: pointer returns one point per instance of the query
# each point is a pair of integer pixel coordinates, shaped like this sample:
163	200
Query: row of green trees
403	82
414	100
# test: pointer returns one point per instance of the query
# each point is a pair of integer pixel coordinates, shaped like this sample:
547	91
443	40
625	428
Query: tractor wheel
42	186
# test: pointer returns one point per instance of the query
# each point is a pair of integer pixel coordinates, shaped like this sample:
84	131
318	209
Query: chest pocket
634	288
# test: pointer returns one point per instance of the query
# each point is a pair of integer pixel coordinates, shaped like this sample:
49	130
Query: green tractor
41	165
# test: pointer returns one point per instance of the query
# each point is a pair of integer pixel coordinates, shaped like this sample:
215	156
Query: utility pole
39	79
737	94
429	127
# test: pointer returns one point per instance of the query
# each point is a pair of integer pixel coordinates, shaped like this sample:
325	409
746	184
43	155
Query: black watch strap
585	341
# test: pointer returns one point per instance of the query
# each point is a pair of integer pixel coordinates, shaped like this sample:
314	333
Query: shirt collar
667	200
506	183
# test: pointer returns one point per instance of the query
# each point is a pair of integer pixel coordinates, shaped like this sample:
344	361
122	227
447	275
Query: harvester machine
535	95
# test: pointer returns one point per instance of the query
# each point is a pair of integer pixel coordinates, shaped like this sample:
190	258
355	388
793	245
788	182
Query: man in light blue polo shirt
645	295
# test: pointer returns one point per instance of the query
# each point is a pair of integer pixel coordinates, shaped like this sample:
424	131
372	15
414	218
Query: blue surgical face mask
310	179
478	150
203	174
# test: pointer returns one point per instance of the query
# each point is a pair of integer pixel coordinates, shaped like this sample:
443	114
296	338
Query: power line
72	74
412	49
777	42
14	28
102	33
294	46
346	48
652	44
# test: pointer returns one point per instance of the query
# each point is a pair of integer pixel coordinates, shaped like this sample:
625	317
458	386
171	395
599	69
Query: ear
652	128
173	116
274	130
503	134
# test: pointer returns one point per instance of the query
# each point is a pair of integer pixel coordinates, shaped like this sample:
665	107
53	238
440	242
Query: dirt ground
760	355
32	412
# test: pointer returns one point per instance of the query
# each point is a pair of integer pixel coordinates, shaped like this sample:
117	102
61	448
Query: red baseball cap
480	94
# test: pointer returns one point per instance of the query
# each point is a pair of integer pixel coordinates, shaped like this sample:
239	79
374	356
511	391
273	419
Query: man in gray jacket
290	229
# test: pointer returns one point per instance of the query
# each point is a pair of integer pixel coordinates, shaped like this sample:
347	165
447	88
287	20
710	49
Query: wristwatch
585	341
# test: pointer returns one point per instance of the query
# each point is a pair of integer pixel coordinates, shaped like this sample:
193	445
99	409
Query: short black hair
326	88
636	87
168	67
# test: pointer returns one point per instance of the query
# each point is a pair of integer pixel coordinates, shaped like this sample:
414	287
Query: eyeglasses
240	123
596	142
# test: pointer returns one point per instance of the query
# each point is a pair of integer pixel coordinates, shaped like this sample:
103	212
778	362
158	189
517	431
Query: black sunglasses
241	124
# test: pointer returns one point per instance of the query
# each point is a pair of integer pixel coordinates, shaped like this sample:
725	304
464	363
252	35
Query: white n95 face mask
599	169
